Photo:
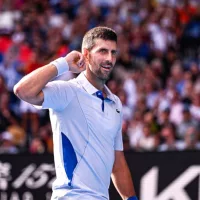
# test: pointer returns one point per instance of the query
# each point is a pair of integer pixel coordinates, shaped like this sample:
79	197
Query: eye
114	53
103	50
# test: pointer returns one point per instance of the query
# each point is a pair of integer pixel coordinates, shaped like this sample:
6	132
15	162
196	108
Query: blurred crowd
156	75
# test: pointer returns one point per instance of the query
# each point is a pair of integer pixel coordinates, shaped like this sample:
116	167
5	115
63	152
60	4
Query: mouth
106	67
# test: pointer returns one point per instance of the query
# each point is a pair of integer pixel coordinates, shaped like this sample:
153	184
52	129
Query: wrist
61	65
132	198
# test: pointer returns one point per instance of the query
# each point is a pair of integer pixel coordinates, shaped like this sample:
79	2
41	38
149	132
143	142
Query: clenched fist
76	61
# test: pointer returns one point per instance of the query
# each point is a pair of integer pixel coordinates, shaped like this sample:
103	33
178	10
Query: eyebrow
113	51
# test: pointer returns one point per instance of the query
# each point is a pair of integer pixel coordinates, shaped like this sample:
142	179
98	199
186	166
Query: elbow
15	89
27	94
19	91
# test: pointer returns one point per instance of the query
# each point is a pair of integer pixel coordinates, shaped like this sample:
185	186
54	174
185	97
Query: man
86	120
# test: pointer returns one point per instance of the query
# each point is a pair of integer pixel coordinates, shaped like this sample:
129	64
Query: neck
94	80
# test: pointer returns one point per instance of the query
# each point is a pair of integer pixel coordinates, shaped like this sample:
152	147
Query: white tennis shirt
85	138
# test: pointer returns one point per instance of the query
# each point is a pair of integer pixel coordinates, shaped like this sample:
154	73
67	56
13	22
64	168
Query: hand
76	61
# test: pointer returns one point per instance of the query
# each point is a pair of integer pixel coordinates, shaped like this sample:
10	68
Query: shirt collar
90	89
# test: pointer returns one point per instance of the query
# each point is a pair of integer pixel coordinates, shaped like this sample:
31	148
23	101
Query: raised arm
121	177
29	88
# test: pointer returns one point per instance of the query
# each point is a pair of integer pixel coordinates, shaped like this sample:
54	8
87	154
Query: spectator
9	68
170	143
176	107
130	87
163	118
37	146
135	129
7	117
191	139
127	111
148	141
29	118
7	145
19	137
187	122
195	106
156	73
45	133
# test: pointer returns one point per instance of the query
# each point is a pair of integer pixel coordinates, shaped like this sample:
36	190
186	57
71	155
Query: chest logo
117	111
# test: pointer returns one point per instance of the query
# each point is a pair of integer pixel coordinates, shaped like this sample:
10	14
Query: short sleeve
57	95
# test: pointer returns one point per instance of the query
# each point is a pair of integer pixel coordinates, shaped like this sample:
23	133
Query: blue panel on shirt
69	157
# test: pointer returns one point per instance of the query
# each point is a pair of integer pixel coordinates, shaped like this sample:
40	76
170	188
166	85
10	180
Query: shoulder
117	101
74	83
61	84
113	97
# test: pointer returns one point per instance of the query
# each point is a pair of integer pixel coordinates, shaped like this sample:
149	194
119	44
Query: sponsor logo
117	111
175	190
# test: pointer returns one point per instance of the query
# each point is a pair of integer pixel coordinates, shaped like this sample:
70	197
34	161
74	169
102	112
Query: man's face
102	58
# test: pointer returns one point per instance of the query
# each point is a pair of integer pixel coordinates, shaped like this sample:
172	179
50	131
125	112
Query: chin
102	76
105	78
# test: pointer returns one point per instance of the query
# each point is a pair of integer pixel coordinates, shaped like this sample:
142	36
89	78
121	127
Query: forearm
32	84
30	87
122	179
123	183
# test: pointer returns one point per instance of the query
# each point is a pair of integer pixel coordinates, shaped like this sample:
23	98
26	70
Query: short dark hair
99	32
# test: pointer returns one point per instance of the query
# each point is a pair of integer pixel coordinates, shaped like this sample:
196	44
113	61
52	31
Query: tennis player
86	120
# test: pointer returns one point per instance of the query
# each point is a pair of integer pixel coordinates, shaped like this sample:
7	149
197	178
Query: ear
85	52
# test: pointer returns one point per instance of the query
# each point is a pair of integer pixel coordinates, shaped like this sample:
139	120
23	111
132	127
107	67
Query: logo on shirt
117	111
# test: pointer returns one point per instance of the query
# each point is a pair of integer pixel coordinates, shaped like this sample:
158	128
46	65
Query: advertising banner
157	176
